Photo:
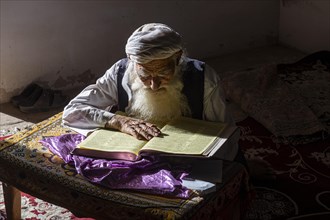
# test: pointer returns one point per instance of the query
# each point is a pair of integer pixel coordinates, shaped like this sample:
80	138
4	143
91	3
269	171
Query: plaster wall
305	24
65	44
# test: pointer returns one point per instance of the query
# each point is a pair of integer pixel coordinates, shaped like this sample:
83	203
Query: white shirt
91	108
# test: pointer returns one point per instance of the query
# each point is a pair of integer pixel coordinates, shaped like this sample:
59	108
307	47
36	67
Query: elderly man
156	82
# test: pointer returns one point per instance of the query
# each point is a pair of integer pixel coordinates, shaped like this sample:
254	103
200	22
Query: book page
112	141
185	136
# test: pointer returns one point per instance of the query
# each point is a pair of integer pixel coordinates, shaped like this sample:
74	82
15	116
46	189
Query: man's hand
134	127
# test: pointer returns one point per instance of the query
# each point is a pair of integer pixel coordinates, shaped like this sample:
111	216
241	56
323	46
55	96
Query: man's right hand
135	127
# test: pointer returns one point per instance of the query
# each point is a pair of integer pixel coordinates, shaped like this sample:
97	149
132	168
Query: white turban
152	42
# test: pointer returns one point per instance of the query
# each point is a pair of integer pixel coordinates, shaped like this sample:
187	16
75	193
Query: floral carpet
35	209
301	189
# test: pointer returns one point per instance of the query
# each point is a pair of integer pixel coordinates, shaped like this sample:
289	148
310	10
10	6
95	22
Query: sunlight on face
157	73
163	104
157	90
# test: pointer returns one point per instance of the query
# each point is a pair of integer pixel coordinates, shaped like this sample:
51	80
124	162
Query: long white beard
158	106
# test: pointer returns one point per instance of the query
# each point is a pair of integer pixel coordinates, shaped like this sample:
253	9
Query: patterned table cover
32	168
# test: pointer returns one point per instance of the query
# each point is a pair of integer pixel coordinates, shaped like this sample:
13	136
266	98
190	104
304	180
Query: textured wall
68	43
305	24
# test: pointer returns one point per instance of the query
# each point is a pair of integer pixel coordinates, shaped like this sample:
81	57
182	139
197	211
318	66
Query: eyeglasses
163	72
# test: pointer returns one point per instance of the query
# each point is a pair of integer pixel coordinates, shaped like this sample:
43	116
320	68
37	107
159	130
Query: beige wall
65	44
68	43
305	24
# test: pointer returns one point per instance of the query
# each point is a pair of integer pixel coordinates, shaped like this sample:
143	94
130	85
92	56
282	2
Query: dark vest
193	89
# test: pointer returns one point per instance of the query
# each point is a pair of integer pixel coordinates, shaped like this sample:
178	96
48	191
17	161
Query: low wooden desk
25	165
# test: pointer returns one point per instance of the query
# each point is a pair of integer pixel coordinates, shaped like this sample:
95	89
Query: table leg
12	197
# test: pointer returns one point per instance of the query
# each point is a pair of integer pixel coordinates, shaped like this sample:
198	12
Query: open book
180	137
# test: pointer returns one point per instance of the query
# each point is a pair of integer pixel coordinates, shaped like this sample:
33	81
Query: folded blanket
309	78
265	95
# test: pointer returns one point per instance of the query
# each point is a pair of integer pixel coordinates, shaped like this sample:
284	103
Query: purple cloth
150	174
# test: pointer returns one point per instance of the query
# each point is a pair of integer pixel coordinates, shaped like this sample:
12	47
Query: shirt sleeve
91	108
215	108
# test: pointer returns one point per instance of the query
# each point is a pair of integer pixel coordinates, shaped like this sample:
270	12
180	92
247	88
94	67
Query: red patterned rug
36	209
301	189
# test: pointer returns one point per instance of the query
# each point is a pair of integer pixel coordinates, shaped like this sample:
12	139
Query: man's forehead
158	64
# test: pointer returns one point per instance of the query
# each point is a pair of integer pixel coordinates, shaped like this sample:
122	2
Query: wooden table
27	166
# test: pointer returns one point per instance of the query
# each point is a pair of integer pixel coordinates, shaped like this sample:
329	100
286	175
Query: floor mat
302	185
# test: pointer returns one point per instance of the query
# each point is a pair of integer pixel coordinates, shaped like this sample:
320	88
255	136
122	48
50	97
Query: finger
146	135
141	129
153	129
150	125
144	131
133	131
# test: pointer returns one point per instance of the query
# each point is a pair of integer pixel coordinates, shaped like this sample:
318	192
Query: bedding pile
287	109
292	101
